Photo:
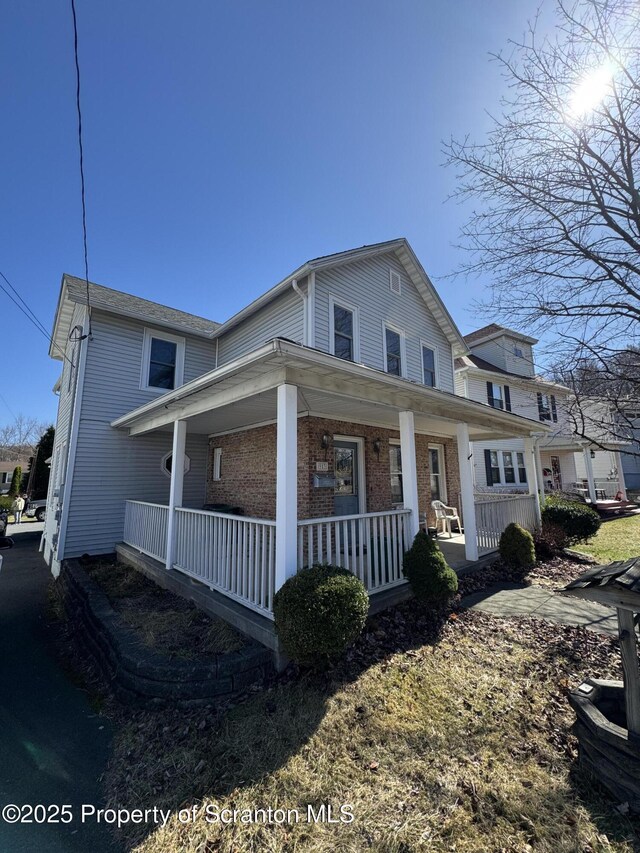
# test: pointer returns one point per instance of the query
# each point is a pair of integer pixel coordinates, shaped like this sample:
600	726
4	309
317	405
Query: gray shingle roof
124	303
491	329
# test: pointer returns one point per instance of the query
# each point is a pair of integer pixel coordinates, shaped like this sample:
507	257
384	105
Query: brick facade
249	468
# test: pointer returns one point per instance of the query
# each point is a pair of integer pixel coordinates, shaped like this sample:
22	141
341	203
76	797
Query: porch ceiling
243	394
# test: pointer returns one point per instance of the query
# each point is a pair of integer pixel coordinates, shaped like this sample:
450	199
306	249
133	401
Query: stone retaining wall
145	678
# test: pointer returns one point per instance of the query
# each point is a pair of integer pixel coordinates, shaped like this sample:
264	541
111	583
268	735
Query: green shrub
5	503
425	567
578	520
319	612
516	547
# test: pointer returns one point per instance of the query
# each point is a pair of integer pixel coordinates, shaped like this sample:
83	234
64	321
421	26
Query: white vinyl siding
111	466
500	447
365	284
281	318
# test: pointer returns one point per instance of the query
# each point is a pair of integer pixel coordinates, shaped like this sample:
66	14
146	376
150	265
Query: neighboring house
7	468
325	412
499	371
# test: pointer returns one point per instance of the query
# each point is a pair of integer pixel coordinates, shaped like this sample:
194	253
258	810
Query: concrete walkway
512	599
53	745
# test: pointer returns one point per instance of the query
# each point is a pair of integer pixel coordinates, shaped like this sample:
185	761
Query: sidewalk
512	599
54	747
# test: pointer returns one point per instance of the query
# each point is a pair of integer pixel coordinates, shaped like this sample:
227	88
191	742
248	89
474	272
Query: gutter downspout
305	312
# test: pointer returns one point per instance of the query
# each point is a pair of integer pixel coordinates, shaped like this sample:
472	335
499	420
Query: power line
82	188
33	317
28	313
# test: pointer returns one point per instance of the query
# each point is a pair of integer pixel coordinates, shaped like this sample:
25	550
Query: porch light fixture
324	441
592	453
376	447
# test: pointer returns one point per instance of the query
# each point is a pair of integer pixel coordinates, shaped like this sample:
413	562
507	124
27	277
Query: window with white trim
393	351
167	464
495	395
495	468
395	468
217	463
507	467
343	332
522	469
162	361
428	366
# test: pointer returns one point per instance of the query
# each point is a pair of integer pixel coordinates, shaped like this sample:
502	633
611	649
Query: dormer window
162	361
517	351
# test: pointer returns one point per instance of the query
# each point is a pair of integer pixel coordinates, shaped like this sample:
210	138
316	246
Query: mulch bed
164	621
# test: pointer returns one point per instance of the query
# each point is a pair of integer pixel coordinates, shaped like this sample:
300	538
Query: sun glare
593	89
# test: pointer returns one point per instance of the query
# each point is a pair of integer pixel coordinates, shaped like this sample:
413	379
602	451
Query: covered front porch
297	415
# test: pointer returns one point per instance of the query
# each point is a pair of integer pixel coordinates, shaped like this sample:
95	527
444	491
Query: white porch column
588	464
539	474
530	462
409	470
465	464
622	485
177	482
287	484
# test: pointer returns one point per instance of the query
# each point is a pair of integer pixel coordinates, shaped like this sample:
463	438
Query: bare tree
557	222
19	438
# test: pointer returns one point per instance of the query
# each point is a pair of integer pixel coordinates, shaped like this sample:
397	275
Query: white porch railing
370	545
492	516
145	528
230	553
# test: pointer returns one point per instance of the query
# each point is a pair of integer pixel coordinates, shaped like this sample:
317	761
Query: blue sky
228	142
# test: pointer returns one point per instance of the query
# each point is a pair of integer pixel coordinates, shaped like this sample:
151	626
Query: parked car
37	509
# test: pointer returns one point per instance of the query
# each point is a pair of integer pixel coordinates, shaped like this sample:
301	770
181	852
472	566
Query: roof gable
407	258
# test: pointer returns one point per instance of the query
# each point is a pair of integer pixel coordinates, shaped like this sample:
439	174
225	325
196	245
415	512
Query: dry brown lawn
451	740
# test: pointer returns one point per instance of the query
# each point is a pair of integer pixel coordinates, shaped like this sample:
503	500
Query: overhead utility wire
32	316
28	313
82	189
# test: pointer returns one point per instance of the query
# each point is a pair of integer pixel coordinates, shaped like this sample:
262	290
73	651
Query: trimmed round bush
516	547
424	565
578	520
319	612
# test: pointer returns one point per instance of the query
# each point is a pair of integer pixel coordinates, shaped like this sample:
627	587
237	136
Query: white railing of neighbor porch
145	528
492	516
230	553
370	545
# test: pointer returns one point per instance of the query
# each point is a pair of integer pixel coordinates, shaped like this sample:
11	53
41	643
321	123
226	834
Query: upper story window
428	366
517	351
343	321
343	332
547	410
499	396
162	361
393	346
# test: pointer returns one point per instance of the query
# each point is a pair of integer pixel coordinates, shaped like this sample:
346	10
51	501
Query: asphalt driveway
53	745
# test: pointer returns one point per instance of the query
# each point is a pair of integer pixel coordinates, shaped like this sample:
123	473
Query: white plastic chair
446	514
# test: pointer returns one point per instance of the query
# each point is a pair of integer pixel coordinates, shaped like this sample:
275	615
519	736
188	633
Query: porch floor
453	550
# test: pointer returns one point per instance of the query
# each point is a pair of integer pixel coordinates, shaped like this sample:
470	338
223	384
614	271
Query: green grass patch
618	539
